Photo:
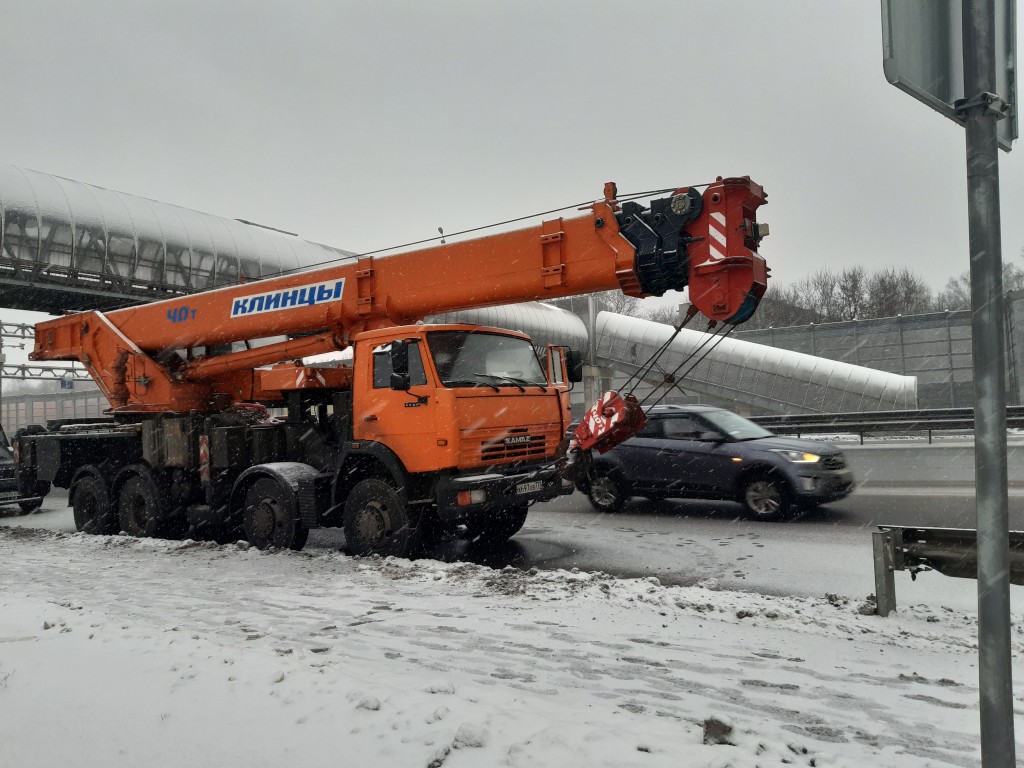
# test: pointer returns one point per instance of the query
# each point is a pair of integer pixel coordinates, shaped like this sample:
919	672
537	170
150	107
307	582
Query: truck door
403	421
557	375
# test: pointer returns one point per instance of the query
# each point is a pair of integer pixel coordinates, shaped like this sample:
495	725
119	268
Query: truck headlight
799	457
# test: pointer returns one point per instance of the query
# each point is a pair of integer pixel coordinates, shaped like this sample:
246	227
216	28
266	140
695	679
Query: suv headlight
799	457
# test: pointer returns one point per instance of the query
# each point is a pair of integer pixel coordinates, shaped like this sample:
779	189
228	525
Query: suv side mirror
574	365
400	365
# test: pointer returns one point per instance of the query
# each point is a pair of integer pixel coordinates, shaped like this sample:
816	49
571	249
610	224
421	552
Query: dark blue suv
700	452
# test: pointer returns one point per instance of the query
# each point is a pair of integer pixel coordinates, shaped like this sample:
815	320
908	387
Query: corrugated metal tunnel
69	245
769	379
544	323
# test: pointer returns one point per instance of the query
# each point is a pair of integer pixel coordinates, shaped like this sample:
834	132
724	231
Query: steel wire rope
351	257
689	357
653	359
719	338
575	206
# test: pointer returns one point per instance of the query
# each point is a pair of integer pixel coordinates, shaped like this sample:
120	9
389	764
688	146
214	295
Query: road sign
67	382
923	54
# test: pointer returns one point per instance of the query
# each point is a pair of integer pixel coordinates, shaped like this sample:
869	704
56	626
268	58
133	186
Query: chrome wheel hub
764	497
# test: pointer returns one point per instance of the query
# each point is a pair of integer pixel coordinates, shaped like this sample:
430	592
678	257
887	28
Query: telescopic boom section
705	241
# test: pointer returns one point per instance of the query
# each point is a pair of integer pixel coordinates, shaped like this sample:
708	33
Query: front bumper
824	486
500	491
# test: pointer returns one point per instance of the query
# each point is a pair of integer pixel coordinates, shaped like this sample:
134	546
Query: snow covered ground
123	652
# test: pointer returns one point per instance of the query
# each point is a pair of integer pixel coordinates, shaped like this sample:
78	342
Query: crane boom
705	241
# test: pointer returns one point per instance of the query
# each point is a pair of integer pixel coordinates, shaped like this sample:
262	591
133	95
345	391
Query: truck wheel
91	505
28	507
607	492
497	526
376	521
270	519
139	505
766	498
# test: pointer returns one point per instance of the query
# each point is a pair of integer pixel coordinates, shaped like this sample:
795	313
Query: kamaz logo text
289	298
517	439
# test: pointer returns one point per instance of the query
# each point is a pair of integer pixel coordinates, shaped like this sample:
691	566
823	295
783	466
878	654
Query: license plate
536	485
10	494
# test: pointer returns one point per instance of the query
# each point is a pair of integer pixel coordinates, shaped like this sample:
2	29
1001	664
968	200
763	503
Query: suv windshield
735	426
470	357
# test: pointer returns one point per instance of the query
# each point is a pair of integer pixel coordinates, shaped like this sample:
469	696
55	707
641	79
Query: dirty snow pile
123	652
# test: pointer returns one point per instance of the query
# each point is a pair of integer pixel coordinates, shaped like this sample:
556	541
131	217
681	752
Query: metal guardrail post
883	544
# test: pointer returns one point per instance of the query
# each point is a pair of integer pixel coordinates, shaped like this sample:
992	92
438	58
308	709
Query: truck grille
833	461
500	446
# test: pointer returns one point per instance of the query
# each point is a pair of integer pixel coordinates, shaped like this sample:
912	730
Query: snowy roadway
686	542
123	652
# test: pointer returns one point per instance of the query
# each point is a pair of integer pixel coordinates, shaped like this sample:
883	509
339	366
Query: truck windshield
472	358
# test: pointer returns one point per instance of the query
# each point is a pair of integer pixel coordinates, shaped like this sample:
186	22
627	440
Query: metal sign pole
981	110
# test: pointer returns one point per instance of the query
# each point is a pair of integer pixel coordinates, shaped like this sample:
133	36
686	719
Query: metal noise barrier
768	378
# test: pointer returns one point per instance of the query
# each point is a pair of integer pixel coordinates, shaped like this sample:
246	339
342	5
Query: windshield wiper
470	383
516	382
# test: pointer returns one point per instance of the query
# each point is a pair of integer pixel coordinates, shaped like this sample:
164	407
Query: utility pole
981	109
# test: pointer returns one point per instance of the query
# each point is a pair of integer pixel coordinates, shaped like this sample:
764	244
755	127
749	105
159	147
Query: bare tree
664	314
957	293
780	307
852	293
819	293
894	291
619	303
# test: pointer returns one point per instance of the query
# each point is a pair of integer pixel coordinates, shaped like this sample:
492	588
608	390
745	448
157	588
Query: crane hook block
609	421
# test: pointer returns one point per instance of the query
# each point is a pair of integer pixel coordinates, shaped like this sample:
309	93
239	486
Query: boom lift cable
717	337
653	359
576	206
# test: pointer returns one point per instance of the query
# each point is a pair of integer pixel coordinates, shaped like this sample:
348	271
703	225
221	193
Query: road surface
689	542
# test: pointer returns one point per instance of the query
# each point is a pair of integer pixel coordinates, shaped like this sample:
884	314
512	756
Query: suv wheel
766	498
607	493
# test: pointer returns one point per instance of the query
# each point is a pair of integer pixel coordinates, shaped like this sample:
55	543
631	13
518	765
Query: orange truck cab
472	410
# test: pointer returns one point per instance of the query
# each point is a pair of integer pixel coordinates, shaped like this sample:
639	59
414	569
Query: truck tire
497	526
28	507
140	506
28	485
766	498
270	518
90	502
376	521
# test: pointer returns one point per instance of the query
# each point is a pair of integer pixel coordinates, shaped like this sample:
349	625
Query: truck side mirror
400	365
574	365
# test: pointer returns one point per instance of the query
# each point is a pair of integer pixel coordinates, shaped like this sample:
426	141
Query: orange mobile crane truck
430	427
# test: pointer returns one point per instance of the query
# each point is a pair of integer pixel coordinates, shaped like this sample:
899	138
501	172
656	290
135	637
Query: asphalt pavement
689	543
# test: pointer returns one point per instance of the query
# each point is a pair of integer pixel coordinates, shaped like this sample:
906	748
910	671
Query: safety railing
882	422
950	551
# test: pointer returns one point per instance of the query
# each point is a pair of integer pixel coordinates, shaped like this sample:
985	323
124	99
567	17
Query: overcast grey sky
366	124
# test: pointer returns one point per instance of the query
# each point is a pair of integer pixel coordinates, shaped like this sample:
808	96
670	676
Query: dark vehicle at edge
702	452
10	492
